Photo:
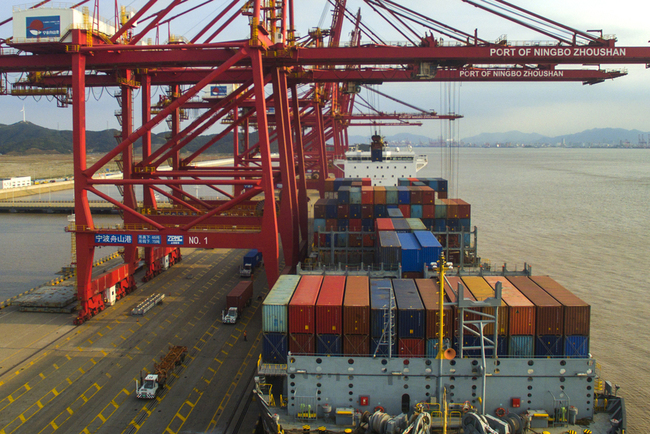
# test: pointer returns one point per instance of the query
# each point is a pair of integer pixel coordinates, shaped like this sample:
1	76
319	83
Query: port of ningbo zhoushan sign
43	27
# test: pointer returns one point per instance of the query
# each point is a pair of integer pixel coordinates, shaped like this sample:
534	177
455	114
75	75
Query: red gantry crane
263	195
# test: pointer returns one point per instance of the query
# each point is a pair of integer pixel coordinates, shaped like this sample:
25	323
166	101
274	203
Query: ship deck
81	379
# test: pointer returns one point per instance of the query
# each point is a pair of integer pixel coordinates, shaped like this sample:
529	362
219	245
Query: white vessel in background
383	164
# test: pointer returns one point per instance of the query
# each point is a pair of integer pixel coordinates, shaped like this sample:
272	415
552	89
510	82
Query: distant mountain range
24	138
596	136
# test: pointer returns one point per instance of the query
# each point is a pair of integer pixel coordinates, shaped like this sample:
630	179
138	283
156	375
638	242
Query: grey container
389	249
274	308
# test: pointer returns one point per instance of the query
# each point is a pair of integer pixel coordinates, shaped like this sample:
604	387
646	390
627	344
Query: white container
109	296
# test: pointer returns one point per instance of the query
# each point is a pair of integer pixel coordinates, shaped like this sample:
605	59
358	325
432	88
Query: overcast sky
546	108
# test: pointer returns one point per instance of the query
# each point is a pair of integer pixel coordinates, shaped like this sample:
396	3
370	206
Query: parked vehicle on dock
153	384
251	260
236	300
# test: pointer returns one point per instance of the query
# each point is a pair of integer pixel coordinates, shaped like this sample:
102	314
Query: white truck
153	384
236	300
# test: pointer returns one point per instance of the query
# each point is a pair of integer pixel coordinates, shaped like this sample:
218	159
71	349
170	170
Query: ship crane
269	57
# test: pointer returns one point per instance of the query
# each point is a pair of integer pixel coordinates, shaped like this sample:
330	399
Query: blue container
380	211
401	225
431	248
368	225
380	299
410	310
338	183
376	155
416	211
471	341
274	348
394	212
576	346
319	225
382	350
391	195
549	346
453	224
521	346
355	195
403	195
344	195
440	225
410	253
467	239
355	211
441	184
432	347
403	181
343	224
331	209
429	223
329	344
465	224
341	240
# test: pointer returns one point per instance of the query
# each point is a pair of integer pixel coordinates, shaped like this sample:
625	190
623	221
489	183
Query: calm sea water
580	216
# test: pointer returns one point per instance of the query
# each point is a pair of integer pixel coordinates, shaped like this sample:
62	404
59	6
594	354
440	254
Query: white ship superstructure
383	164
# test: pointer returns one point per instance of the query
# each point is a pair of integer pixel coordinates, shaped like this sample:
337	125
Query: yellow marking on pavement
42	376
54	425
69	410
27	387
55	392
101	335
89	341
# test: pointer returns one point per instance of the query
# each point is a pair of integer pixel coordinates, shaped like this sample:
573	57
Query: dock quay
55	376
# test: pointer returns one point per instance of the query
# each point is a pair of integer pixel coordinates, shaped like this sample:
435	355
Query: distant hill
612	136
24	138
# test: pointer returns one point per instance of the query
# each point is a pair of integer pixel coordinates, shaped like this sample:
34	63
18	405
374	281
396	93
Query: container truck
236	300
251	260
153	384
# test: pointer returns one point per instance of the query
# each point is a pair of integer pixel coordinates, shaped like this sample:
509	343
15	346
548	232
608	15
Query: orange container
356	306
521	311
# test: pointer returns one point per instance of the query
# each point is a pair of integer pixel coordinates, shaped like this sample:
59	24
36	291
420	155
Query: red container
429	292
549	313
441	194
380	195
416	195
428	211
342	211
411	347
577	313
329	184
428	195
366	181
384	224
354	240
452	208
481	290
406	210
368	241
329	307
356	345
240	295
354	224
367	211
302	317
521	311
463	208
356	306
367	195
331	224
302	343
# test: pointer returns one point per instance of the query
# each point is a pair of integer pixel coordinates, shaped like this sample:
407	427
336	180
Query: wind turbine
23	111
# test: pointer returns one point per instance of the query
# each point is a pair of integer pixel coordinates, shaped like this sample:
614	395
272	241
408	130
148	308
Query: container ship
353	342
383	164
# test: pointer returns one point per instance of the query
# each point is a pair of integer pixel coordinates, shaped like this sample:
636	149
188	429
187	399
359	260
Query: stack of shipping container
339	315
351	214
